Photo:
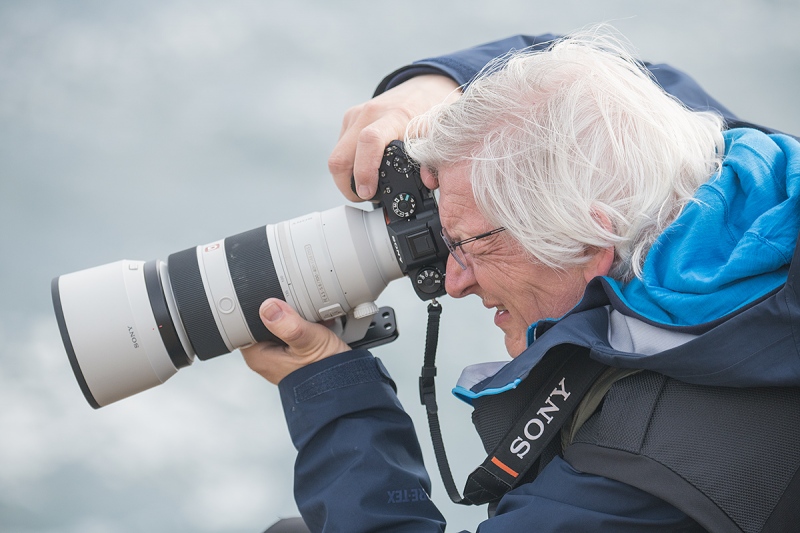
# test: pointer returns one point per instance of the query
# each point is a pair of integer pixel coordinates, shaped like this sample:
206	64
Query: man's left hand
306	341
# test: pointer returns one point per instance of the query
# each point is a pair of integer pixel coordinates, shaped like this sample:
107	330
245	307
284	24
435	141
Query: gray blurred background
137	129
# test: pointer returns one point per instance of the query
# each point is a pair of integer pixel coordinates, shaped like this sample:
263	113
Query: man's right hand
369	127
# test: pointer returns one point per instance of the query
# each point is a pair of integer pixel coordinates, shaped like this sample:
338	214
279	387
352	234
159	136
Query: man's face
498	269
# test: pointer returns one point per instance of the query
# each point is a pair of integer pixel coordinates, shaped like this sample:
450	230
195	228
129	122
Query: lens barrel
130	325
205	301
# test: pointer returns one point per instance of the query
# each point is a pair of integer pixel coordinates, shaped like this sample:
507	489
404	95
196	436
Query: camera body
412	220
130	325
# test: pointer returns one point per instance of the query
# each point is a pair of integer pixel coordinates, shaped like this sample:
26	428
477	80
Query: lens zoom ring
187	286
254	278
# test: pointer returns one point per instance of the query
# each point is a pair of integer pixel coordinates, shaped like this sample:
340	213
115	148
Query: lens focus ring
190	296
253	275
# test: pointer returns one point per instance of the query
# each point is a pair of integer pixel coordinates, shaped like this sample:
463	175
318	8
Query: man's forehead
454	185
457	206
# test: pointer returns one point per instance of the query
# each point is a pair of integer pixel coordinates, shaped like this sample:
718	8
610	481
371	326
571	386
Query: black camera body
412	220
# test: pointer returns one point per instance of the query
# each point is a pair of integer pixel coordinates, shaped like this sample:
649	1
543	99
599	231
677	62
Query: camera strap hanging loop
427	397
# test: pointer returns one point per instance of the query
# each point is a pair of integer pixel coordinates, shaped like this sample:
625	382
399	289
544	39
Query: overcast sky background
137	129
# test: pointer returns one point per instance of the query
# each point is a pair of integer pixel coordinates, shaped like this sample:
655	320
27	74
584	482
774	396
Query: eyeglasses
456	249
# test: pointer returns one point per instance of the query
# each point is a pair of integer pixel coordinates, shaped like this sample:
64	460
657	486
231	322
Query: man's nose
458	282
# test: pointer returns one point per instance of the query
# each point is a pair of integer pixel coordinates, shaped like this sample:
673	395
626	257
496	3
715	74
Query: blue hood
733	244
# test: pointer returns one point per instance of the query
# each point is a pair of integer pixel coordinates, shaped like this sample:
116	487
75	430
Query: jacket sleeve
359	465
464	65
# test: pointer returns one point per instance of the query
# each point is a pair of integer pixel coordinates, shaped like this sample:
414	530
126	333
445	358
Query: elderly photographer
609	224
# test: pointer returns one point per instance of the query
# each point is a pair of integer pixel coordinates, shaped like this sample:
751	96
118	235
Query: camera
130	325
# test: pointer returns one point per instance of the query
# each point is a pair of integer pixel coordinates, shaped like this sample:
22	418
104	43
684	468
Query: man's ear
599	264
430	178
602	258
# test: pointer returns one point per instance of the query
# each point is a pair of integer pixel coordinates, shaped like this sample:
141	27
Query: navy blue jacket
359	465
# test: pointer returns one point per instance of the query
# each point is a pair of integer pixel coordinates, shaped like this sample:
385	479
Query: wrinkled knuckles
371	135
339	163
371	109
352	114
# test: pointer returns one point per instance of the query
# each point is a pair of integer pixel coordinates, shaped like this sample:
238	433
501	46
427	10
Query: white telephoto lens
130	325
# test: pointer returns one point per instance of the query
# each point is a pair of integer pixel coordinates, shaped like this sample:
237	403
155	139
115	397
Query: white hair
574	149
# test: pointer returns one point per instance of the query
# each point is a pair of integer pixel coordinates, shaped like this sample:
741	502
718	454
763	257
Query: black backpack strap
518	452
541	421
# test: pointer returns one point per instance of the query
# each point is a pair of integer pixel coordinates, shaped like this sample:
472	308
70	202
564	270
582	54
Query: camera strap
531	432
427	397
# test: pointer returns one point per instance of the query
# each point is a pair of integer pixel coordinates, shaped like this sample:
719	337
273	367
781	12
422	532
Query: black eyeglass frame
453	246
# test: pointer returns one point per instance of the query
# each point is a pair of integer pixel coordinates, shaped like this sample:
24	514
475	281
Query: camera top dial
400	162
404	205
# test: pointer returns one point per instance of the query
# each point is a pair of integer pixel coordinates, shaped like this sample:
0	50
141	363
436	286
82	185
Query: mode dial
404	205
